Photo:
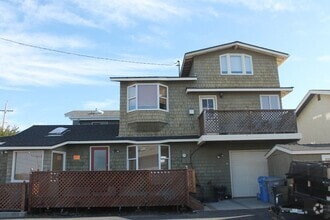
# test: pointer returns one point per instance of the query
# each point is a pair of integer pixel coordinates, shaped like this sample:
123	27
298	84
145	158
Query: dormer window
147	97
236	64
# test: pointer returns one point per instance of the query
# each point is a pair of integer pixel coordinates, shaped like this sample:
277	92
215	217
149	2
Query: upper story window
236	64
207	102
147	97
270	102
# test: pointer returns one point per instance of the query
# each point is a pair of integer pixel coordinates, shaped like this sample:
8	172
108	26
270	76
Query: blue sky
41	86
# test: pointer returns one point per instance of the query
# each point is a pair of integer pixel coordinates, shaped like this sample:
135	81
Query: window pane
236	64
132	104
204	103
274	102
210	104
248	66
148	157
131	152
163	103
132	164
25	163
147	97
265	102
131	92
164	151
99	159
164	164
224	68
162	91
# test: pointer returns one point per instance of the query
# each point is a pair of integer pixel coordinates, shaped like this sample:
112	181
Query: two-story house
220	116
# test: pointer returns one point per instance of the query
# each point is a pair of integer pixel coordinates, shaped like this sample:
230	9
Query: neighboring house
220	116
94	117
313	122
313	117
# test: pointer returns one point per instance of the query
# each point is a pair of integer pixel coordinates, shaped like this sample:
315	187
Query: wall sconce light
184	155
116	151
221	94
219	156
191	111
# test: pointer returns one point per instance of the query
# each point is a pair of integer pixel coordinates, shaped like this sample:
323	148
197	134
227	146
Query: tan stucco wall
314	121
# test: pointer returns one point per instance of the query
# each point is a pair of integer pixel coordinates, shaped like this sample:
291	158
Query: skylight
59	131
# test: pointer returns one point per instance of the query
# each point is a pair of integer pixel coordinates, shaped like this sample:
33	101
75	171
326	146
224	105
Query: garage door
245	168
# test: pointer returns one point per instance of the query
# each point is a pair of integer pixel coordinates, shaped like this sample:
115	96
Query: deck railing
247	122
73	189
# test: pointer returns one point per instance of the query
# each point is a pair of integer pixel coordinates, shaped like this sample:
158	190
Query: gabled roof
298	149
93	115
310	94
189	56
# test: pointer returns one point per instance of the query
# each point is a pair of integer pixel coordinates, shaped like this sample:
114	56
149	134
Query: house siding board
313	121
9	166
207	68
77	165
3	167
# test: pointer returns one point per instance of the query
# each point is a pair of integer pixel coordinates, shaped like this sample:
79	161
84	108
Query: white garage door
246	167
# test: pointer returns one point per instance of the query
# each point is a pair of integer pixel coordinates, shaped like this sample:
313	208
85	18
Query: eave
151	79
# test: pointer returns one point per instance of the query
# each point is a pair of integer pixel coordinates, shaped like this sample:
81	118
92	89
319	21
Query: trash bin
271	183
263	195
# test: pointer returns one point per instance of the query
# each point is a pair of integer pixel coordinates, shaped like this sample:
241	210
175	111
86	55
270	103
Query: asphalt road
252	214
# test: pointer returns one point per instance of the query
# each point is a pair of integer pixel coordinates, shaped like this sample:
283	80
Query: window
148	157
207	102
24	162
270	102
147	97
236	64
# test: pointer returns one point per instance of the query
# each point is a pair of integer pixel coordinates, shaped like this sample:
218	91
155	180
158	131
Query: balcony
234	122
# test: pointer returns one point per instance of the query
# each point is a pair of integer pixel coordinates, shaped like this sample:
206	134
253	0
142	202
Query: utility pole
5	110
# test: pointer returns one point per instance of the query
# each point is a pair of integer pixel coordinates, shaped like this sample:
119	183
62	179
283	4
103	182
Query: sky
42	85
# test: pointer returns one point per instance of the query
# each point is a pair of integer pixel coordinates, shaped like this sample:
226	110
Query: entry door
246	166
58	163
99	158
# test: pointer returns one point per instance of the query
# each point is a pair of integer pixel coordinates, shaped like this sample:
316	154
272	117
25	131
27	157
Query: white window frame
228	61
202	97
325	157
64	159
270	95
13	167
137	100
137	155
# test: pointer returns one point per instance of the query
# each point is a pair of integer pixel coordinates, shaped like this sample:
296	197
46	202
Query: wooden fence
13	196
74	189
247	122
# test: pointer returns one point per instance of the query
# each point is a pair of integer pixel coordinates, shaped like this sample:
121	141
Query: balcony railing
247	122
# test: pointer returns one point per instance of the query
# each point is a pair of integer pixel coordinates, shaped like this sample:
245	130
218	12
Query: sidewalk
236	204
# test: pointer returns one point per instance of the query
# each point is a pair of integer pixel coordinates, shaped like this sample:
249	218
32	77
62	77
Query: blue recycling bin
263	195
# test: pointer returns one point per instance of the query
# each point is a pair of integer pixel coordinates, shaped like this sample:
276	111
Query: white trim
296	152
201	97
13	166
246	46
90	155
98	142
189	90
64	159
124	79
248	137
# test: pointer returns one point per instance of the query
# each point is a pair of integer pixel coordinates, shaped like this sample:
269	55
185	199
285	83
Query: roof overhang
99	142
283	90
188	57
151	79
310	94
248	137
297	152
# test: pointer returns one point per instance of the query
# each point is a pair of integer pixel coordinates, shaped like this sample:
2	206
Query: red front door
99	158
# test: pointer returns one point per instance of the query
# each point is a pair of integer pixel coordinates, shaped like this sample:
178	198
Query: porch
226	122
88	189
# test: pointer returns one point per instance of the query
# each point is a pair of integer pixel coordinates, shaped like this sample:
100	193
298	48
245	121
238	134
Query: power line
86	56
